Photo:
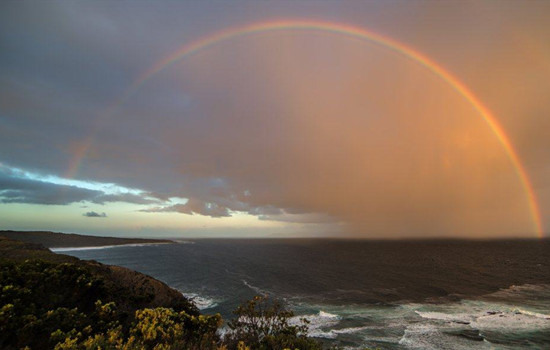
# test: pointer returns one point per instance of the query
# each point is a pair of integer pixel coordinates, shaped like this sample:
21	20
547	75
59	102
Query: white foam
324	314
200	302
179	241
531	313
416	336
318	324
334	333
448	317
254	288
522	289
510	322
430	337
67	249
493	317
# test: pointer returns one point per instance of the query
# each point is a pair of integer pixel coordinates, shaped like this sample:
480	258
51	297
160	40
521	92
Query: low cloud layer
194	206
125	198
15	188
93	214
20	190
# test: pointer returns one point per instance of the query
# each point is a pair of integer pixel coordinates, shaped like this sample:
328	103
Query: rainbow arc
355	32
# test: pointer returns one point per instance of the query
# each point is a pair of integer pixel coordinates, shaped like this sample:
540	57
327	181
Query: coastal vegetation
52	301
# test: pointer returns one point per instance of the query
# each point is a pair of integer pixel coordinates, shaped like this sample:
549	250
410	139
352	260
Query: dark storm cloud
18	190
265	211
64	61
93	214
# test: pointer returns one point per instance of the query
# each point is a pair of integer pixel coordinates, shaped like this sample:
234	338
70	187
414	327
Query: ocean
359	293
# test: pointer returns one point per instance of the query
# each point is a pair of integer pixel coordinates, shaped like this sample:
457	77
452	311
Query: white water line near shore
66	249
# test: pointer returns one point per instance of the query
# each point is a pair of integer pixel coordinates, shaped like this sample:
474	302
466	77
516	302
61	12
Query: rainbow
348	31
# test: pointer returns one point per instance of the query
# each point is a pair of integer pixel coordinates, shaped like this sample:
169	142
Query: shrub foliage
264	324
47	305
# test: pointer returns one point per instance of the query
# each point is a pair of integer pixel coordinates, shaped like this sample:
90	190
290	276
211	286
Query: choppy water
389	295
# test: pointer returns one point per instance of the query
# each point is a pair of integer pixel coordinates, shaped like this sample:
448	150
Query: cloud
223	208
20	190
194	206
305	127
15	188
93	214
126	198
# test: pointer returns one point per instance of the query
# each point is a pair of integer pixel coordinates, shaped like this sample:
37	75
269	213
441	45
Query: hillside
34	282
130	289
55	301
64	240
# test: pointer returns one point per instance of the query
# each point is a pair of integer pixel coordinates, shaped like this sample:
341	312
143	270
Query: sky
295	130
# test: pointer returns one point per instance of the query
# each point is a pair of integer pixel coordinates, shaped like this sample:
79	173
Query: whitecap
489	316
334	333
448	317
430	337
531	313
318	324
200	302
180	241
510	322
254	288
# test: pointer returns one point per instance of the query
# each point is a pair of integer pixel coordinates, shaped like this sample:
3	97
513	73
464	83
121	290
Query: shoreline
58	240
66	249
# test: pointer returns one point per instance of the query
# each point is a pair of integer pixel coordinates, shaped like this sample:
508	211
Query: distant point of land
72	240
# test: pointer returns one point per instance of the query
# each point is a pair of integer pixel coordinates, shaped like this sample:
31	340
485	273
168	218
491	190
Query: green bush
47	305
263	324
39	298
158	328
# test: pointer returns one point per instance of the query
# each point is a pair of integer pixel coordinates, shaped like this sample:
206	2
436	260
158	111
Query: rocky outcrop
140	290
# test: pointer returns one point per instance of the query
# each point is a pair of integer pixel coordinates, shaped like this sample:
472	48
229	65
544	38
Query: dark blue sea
358	293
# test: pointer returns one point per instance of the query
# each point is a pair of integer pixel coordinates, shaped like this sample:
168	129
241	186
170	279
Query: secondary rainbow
354	32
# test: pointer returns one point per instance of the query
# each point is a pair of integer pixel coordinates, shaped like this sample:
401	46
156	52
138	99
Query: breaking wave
201	302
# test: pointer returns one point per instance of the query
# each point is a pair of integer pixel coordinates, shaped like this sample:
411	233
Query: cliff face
137	290
130	290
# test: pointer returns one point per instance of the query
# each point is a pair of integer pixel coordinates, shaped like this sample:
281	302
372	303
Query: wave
499	318
463	318
510	321
523	289
334	333
201	302
431	337
531	313
318	324
502	319
67	249
255	289
181	241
